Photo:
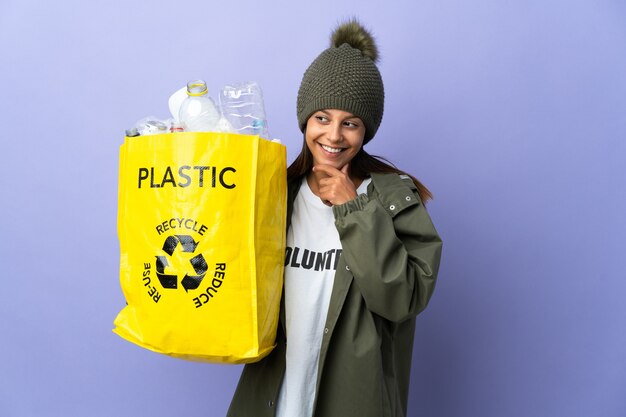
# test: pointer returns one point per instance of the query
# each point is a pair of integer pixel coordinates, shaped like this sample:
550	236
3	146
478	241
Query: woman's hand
334	186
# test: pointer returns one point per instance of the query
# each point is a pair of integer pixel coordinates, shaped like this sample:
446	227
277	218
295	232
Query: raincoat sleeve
391	247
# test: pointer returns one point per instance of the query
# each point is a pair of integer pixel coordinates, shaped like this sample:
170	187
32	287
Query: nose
335	131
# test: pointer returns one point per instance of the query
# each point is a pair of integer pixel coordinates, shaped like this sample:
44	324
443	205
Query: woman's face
334	137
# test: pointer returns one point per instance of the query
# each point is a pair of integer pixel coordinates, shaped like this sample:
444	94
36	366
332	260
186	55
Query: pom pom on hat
345	77
355	35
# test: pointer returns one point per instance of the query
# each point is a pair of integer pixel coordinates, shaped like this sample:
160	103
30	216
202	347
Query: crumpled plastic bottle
243	107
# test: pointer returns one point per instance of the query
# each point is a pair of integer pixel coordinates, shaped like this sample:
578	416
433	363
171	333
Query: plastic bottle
175	126
149	125
198	112
242	105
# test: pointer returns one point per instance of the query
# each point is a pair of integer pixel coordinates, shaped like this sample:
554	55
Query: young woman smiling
333	137
362	255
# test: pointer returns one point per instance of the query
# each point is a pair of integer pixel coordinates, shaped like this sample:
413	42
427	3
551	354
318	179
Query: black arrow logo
200	266
167	281
189	245
189	282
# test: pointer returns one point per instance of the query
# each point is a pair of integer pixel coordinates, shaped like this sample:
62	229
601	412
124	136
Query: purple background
513	113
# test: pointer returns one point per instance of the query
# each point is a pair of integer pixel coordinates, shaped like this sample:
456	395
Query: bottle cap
196	88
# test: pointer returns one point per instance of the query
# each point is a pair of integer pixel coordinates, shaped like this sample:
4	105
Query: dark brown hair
360	167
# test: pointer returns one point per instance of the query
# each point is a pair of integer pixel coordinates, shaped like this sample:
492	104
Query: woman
362	255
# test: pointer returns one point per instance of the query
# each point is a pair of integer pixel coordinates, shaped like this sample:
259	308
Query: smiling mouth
331	150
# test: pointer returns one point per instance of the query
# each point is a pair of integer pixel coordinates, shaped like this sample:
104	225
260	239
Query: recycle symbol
188	245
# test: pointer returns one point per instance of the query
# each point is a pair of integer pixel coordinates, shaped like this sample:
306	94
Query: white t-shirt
313	250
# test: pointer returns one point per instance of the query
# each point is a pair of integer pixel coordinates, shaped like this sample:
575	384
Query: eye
350	124
321	118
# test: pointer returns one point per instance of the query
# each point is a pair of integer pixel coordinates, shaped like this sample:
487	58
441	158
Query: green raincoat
385	277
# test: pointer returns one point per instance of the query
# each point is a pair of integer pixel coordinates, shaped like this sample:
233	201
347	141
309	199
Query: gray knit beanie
345	77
